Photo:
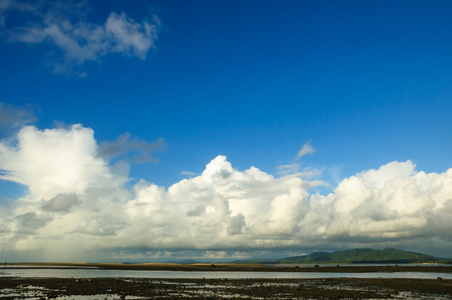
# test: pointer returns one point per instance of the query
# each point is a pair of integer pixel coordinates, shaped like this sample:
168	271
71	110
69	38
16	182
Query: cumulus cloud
64	25
54	161
61	202
30	222
78	201
102	226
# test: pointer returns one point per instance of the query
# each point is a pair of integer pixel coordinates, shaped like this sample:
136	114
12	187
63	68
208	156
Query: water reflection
98	273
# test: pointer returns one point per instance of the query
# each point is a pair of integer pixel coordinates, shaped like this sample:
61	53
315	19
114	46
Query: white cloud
386	173
65	26
78	201
129	37
53	162
294	167
306	149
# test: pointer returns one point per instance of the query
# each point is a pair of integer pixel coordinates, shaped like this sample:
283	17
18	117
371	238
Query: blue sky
167	86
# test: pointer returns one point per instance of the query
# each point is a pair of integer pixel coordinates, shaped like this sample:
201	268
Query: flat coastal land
206	288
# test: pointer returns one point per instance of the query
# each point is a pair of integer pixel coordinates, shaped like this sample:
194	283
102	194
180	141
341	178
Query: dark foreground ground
145	288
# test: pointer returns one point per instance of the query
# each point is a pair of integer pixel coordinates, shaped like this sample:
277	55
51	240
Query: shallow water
99	273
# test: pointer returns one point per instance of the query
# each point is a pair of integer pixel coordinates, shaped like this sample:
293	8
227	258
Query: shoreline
227	267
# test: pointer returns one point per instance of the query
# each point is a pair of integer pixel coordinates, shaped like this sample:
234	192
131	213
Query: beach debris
392	293
299	287
83	280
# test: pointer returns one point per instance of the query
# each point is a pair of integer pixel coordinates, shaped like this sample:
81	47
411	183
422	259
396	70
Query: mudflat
146	288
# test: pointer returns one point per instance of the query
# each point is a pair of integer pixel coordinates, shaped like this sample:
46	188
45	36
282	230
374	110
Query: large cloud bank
79	204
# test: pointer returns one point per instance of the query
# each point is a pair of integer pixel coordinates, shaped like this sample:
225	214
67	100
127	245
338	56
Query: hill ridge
360	255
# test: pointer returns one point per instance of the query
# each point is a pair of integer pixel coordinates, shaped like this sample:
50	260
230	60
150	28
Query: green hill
356	256
388	255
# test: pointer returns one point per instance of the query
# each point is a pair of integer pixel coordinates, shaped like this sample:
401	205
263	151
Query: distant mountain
354	256
183	261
